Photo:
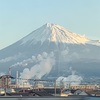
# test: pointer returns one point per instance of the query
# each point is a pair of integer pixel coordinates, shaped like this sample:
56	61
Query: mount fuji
50	51
54	33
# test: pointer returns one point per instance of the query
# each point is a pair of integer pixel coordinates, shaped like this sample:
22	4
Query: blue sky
19	17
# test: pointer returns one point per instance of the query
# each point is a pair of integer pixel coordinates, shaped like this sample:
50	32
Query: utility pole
55	87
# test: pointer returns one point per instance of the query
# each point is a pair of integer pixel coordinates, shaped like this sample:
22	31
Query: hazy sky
19	17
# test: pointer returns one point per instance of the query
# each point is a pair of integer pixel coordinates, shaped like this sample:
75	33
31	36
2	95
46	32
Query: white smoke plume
45	62
15	57
2	73
71	79
25	62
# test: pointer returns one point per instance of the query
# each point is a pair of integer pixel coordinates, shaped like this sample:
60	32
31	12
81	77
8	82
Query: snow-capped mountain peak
54	33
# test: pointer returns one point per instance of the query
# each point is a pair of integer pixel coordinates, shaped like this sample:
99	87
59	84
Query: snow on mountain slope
94	42
54	33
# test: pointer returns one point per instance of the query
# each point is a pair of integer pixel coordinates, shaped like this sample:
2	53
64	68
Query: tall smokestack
9	71
17	79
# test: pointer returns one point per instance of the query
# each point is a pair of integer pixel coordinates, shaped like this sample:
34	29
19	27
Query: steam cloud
15	57
71	79
2	73
45	62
